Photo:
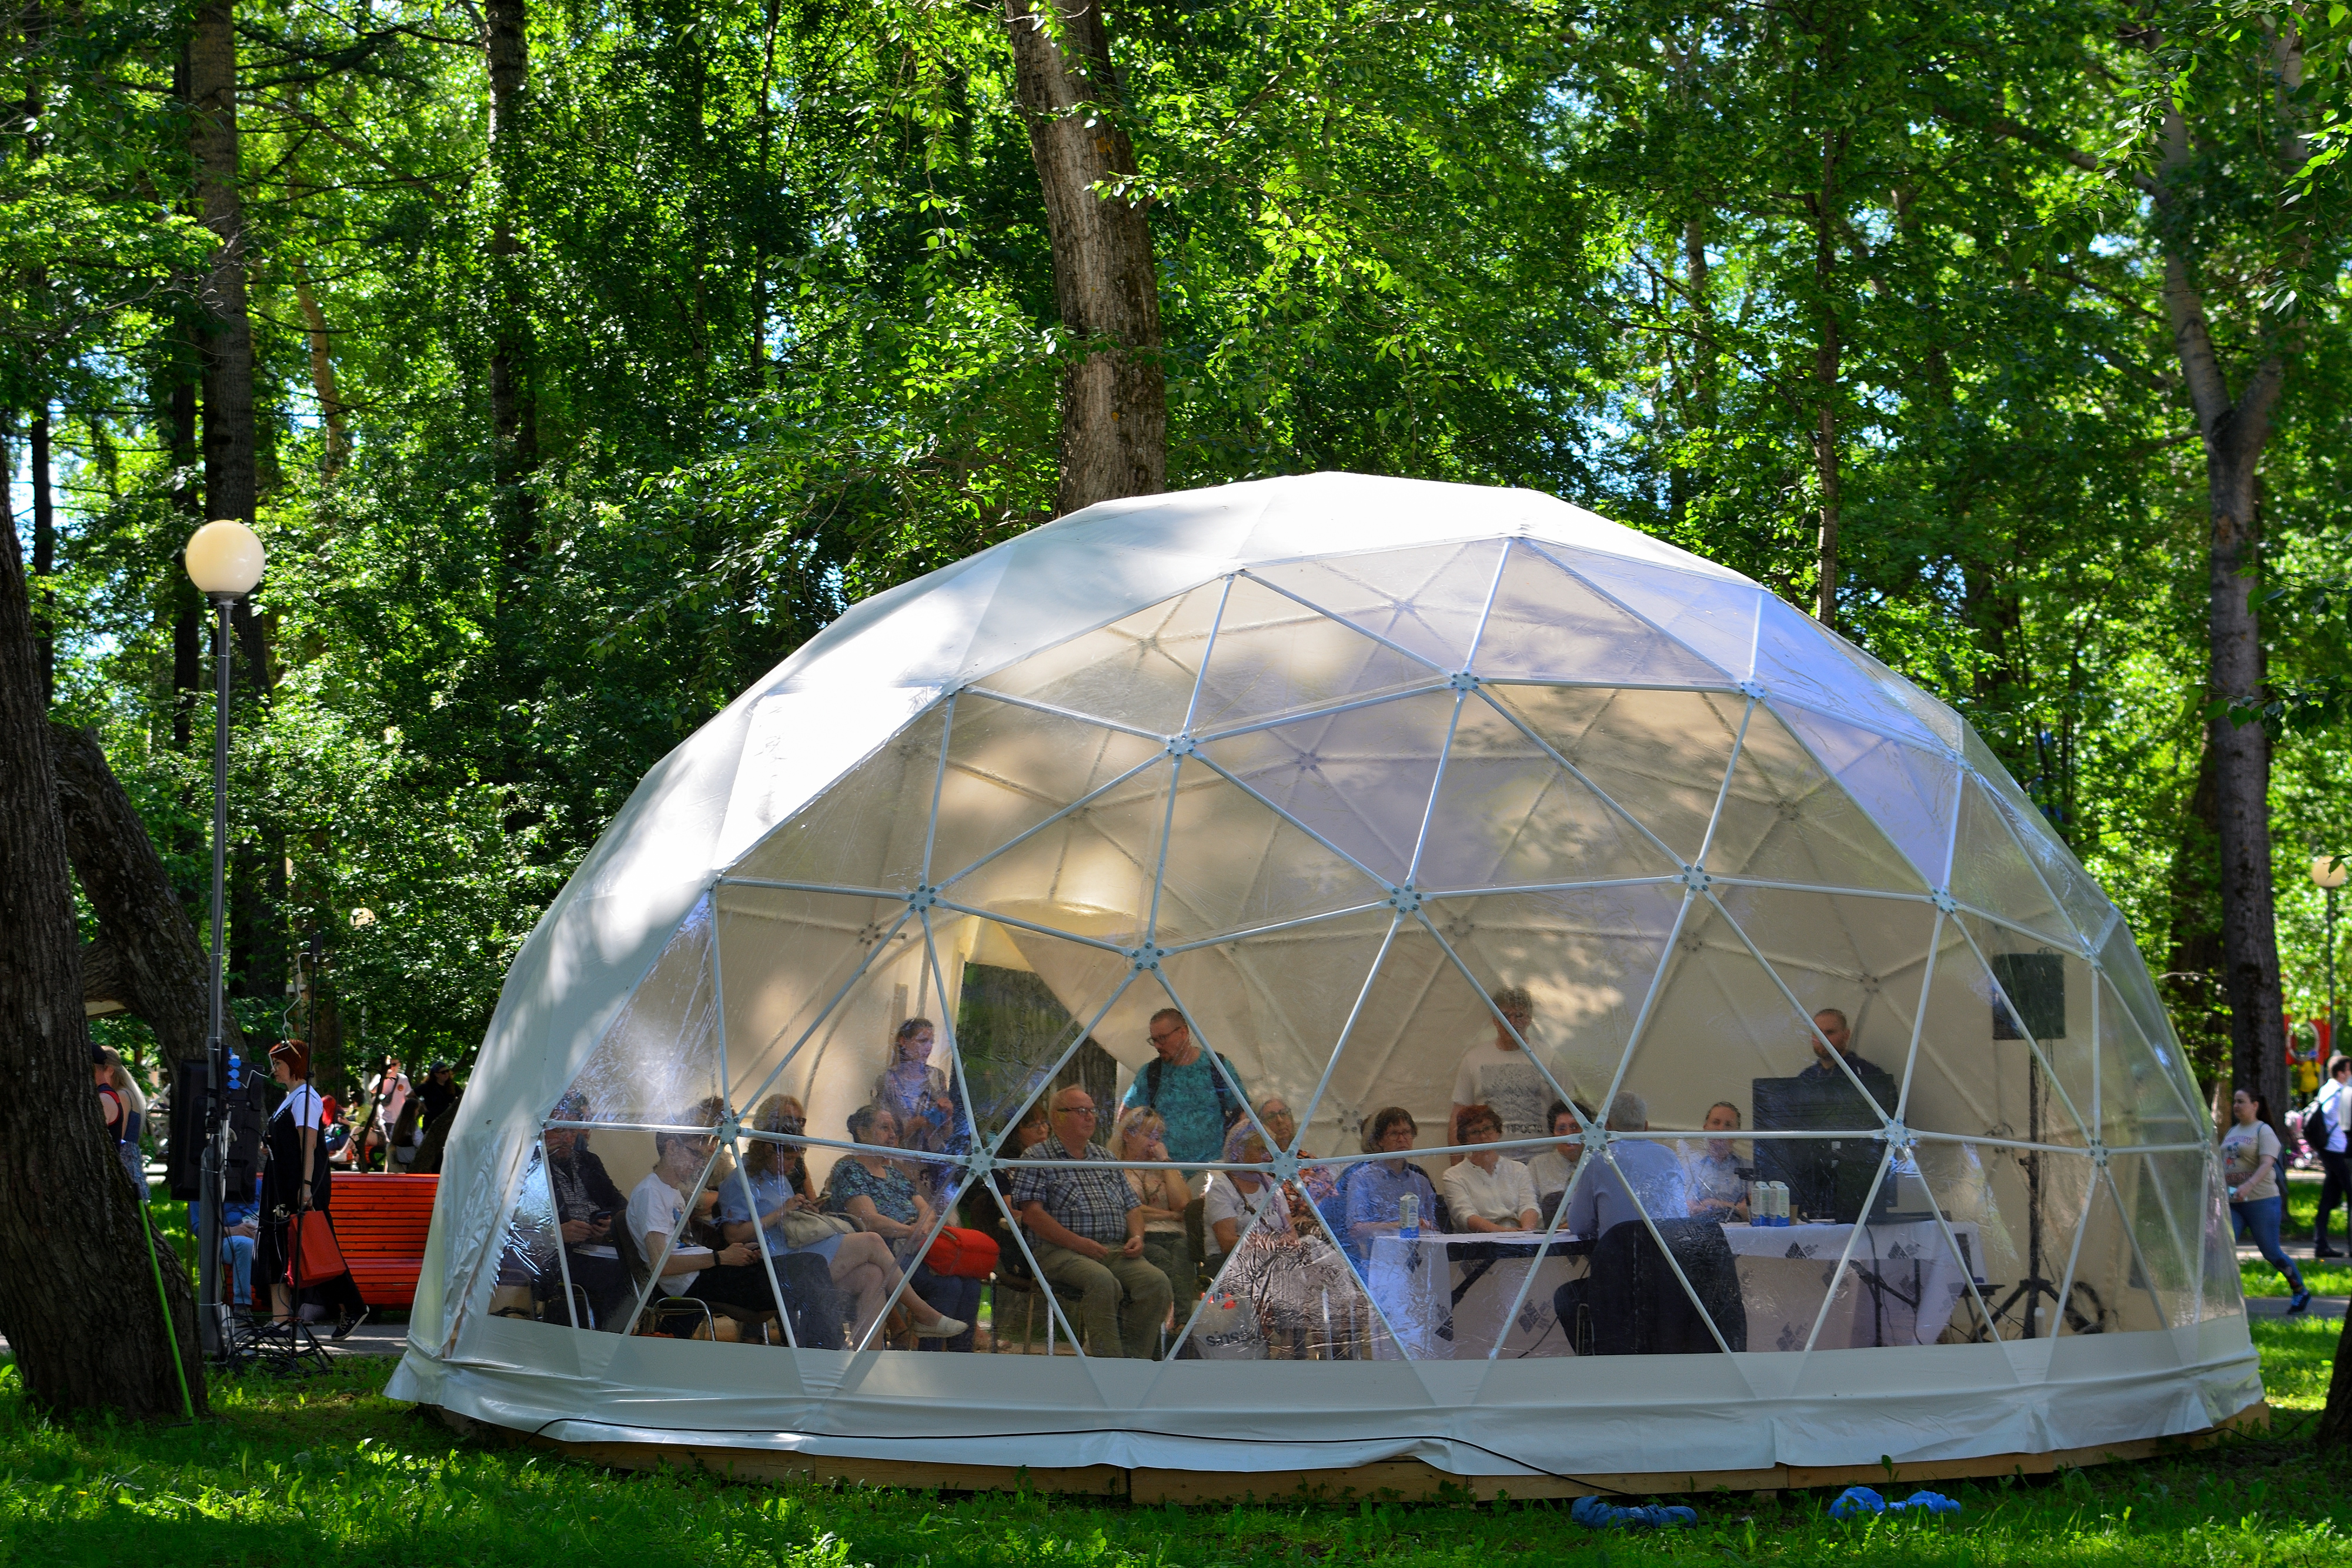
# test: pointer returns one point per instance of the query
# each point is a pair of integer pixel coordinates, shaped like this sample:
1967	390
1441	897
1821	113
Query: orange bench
380	1224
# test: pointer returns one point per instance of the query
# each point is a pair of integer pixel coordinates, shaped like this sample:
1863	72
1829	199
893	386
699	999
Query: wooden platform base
1405	1480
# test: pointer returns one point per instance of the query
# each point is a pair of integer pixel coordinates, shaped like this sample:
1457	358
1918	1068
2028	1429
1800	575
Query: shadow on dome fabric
1387	796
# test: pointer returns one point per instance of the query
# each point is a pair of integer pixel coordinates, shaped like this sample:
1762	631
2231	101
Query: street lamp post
225	561
2329	872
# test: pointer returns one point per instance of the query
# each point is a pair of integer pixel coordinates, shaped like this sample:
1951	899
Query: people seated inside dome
1603	1197
1087	1225
1376	1189
876	1193
1487	1191
1711	1168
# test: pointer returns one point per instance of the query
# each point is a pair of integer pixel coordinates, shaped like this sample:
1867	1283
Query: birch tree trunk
1114	436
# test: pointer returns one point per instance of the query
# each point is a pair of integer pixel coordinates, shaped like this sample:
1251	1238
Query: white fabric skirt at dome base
1356	777
1621	1415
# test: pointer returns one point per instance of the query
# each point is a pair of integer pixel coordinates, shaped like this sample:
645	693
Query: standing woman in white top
293	1179
2250	1157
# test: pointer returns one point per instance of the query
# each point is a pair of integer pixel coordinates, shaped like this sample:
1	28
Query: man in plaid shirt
1088	1225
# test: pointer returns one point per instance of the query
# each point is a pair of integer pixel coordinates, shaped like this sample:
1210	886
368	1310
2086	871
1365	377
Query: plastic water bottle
1409	1216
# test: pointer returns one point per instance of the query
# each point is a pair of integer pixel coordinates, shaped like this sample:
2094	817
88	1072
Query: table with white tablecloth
1902	1286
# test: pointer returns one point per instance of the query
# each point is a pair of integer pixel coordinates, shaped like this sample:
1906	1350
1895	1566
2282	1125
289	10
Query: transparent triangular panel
1274	656
1282	999
1547	624
1713	617
1140	670
2085	907
1980	1192
2026	1206
1420	1020
1235	864
1426	599
2140	1103
2120	959
2112	1291
1909	792
1507	815
1724	1027
1360	778
1659	757
2164	1194
1587	958
658	1063
2223	1289
2008	1043
1865	956
1799	660
789	959
1784	818
1992	872
870	827
1010	769
869	1024
1089	871
1030	1014
1283	1291
529	1275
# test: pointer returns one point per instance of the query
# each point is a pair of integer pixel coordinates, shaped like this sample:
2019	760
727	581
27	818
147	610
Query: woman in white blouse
1487	1192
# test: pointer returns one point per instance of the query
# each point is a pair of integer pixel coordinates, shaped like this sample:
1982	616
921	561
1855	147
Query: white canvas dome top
1374	782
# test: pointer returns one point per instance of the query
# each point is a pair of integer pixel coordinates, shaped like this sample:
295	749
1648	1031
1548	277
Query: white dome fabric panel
1346	771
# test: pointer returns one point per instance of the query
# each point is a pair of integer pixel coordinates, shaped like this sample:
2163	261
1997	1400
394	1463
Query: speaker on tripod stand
2031	1007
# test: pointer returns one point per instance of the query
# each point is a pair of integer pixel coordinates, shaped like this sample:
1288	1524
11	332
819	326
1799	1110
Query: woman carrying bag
294	1184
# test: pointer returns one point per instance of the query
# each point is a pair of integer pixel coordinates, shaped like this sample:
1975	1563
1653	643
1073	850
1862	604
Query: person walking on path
2335	1108
2250	1157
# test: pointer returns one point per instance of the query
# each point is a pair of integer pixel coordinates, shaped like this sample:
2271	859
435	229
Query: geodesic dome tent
1326	763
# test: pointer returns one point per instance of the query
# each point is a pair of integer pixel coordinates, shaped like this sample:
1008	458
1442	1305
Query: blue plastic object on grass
1857	1500
1594	1514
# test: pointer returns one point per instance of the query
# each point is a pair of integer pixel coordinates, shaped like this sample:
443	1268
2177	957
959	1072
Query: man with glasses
1088	1225
1183	1083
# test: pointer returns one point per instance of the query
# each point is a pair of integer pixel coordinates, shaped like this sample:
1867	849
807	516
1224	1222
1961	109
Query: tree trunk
74	1237
2335	1429
232	481
154	964
2233	432
1828	356
45	555
514	423
1114	438
323	378
187	604
2193	985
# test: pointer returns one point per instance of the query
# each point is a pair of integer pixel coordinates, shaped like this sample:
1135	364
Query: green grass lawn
327	1471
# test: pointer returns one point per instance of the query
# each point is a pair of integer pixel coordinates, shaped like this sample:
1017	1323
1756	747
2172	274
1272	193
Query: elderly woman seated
1488	1192
1141	1135
774	1181
876	1192
1305	1301
1376	1190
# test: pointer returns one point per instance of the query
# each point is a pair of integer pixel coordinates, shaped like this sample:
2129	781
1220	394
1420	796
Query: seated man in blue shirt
1375	1188
1601	1197
1087	1224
